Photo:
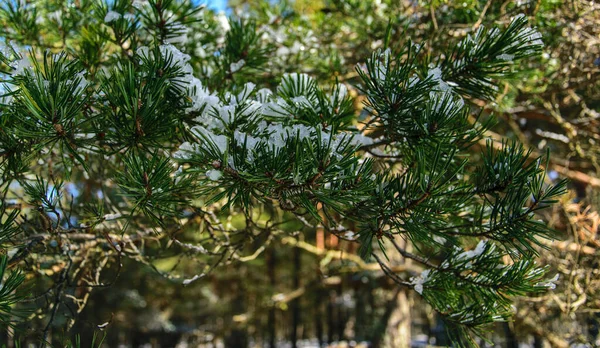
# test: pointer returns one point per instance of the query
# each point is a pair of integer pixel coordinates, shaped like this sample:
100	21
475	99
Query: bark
271	328
379	331
538	341
238	336
318	316
296	302
341	313
439	332
360	328
511	339
330	318
398	325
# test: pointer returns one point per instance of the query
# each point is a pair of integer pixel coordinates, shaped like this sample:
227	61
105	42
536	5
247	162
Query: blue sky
217	5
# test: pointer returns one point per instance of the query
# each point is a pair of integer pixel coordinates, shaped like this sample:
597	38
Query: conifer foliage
120	121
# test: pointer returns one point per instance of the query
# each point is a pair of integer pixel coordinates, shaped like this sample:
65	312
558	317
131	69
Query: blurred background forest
308	284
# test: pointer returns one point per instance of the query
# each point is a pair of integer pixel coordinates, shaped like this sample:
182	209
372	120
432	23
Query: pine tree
122	121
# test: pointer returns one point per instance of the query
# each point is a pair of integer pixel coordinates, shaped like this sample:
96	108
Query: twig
409	255
385	268
432	11
482	15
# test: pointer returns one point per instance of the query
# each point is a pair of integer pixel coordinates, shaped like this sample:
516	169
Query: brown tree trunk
360	327
320	293
538	341
296	302
271	328
330	318
510	337
238	336
398	325
343	314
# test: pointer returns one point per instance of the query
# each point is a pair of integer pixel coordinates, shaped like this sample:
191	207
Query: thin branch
409	255
390	273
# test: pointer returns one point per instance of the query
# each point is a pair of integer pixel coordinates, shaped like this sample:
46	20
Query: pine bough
409	172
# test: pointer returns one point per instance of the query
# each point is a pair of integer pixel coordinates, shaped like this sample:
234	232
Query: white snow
263	94
506	57
299	84
550	283
20	65
436	76
143	51
139	4
182	34
277	108
301	101
237	65
178	58
185	151
361	140
245	93
214	175
340	93
420	280
471	254
223	21
219	141
196	248
109	217
193	279
112	16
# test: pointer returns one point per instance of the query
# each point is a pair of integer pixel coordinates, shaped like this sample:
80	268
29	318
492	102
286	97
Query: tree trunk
439	332
398	325
393	329
509	334
296	302
362	320
271	328
318	316
380	329
538	341
341	313
330	318
8	337
238	336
